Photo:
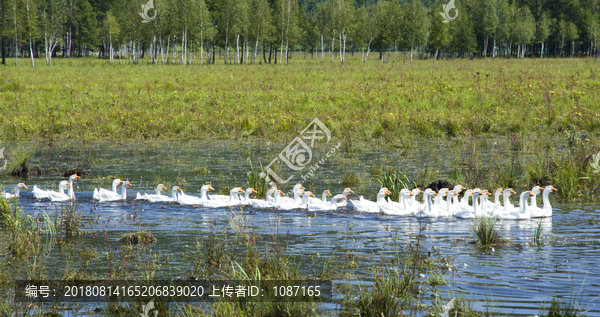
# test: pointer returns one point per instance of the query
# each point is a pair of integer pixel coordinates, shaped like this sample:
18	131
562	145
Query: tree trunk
226	38
542	51
322	49
435	58
411	51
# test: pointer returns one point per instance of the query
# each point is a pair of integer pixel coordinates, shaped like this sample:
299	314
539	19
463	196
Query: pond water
517	278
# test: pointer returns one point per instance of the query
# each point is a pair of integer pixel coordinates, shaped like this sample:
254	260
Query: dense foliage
257	31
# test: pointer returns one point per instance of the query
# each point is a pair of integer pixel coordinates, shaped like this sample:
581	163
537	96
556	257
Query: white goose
184	199
401	208
267	202
17	191
475	210
457	189
106	196
464	202
247	201
323	204
233	200
159	197
44	194
491	206
364	205
429	211
153	198
521	213
451	206
115	184
342	199
506	207
297	191
417	205
439	201
546	210
59	197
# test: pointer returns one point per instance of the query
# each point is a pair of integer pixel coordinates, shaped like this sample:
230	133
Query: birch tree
204	27
542	31
112	30
31	26
439	35
414	25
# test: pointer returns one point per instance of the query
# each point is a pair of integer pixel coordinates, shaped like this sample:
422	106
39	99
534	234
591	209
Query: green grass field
90	99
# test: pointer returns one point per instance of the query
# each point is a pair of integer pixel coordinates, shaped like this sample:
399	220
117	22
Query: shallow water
515	279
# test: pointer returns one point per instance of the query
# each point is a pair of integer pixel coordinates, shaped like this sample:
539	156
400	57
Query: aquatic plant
257	180
135	238
18	165
485	231
394	181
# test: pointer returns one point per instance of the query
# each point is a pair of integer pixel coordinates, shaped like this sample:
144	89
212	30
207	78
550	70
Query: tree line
267	31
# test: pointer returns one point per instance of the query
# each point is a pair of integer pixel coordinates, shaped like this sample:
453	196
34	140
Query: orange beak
411	194
281	193
77	176
120	182
328	193
178	188
554	189
512	191
462	188
210	187
420	191
240	190
350	191
25	186
128	183
303	191
254	191
311	195
530	193
301	187
163	186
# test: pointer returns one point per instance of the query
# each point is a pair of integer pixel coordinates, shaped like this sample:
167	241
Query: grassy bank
91	99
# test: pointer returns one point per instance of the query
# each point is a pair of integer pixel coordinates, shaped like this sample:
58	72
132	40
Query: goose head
250	191
347	192
468	193
74	177
536	190
326	193
452	194
548	189
382	193
21	186
116	183
160	188
126	184
270	192
63	185
305	196
415	192
458	188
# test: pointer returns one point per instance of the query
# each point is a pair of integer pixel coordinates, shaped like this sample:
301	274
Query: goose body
158	197
367	206
106	196
44	194
546	210
521	213
115	185
430	211
60	197
16	192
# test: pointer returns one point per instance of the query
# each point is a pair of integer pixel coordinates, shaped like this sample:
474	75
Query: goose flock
443	203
